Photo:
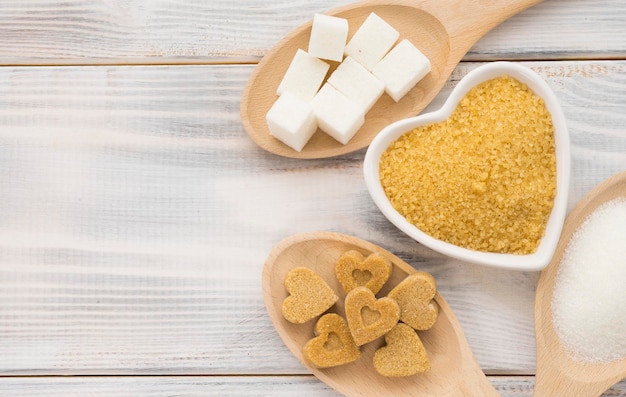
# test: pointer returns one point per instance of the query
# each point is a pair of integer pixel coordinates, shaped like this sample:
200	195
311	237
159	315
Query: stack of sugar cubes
370	67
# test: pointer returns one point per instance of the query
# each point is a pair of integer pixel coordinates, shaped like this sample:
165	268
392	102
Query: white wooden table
136	214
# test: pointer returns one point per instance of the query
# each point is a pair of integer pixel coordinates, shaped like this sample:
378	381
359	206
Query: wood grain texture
197	386
197	31
136	216
135	213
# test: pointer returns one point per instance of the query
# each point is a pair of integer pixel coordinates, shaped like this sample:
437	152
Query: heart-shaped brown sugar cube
353	270
415	296
309	295
369	318
333	344
404	354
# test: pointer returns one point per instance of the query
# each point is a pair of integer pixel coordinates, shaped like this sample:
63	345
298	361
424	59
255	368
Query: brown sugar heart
369	318
353	270
403	355
415	296
309	295
333	344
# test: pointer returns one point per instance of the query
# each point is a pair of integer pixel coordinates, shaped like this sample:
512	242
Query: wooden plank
136	216
278	386
555	30
54	32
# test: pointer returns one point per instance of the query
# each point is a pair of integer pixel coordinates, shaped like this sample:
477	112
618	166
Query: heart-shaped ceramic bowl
531	262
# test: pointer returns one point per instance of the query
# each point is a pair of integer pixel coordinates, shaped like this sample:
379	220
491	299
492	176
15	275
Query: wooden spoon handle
475	384
564	386
467	20
558	376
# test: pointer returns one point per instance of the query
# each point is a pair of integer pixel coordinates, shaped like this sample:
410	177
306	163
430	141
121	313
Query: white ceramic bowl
531	262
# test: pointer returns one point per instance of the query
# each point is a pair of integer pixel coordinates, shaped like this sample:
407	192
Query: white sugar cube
401	69
304	76
328	37
337	115
292	121
371	41
354	81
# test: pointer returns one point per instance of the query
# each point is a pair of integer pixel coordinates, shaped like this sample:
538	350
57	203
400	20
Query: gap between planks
253	60
130	62
200	375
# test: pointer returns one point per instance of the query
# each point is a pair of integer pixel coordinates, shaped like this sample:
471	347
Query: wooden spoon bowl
444	30
454	370
558	374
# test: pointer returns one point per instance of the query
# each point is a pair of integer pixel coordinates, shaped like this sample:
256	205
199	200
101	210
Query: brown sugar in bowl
521	227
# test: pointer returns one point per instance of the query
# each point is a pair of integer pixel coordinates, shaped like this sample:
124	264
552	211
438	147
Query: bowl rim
535	261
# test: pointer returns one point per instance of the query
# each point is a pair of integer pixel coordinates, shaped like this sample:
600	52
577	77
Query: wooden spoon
454	370
558	375
444	30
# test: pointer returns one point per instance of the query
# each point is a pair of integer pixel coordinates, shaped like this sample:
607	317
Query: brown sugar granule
485	178
415	296
354	270
403	355
369	318
309	295
332	345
